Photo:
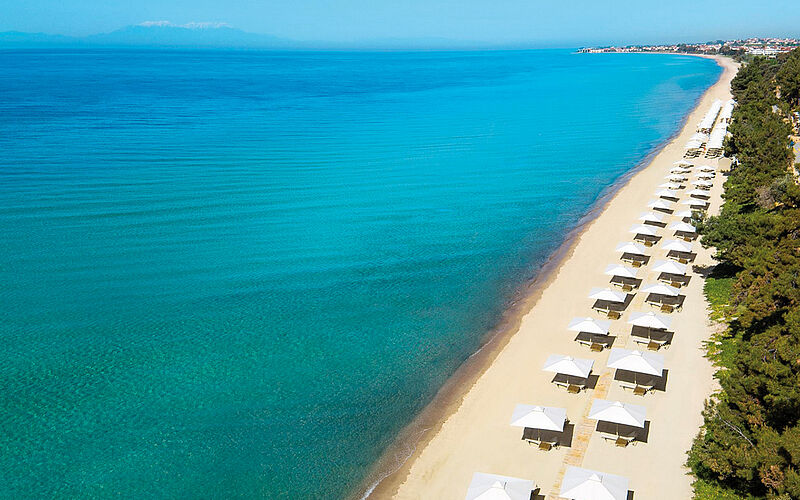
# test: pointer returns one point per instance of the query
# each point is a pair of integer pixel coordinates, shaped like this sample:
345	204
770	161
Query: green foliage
705	490
750	441
788	78
718	288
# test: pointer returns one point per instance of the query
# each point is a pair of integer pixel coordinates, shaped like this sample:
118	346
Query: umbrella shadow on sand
585	383
640	434
614	306
563	438
676	278
595	338
658	383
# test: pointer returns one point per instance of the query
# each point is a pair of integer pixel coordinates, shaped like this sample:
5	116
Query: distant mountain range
151	34
163	34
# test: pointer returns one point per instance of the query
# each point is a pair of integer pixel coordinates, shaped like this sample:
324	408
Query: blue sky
535	22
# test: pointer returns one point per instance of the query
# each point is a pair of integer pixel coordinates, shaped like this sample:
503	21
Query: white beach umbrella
698	193
702	183
661	204
589	325
636	361
617	412
669	267
607	295
643	229
694	202
539	417
706	168
676	177
586	484
666	193
678	170
677	246
705	175
651	217
494	487
649	320
631	248
670	185
693	144
620	270
683	213
682	163
557	363
661	289
683	227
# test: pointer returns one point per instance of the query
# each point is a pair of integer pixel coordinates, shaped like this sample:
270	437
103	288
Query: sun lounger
573	385
618	440
651	344
594	342
533	436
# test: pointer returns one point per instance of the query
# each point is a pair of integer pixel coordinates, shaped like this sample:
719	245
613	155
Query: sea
239	274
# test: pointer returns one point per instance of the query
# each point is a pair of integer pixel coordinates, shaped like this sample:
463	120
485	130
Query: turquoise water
239	274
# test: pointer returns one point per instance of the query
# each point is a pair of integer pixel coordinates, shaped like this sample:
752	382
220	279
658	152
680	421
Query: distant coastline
769	47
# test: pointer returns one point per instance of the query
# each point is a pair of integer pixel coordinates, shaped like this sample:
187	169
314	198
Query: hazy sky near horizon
500	22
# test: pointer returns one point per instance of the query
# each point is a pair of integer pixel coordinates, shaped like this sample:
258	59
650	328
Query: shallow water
239	274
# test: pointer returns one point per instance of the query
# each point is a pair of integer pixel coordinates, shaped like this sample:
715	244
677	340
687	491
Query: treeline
749	445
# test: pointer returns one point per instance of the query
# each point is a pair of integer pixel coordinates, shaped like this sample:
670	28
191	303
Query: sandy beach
475	435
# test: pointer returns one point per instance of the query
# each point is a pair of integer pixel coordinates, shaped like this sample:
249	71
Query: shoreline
392	469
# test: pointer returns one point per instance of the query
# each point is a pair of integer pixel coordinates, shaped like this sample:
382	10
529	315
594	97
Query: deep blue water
239	274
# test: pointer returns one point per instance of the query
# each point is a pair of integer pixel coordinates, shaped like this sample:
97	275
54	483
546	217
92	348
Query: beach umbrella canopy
677	246
636	361
493	487
678	170
694	202
661	204
661	289
620	270
670	185
651	217
675	177
586	484
617	412
666	193
694	144
632	248
650	320
683	227
669	267
702	183
682	163
607	294
683	213
539	417
558	363
589	325
705	175
706	168
643	229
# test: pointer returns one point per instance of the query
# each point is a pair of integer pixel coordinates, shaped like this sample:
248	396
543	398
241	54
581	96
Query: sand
476	436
